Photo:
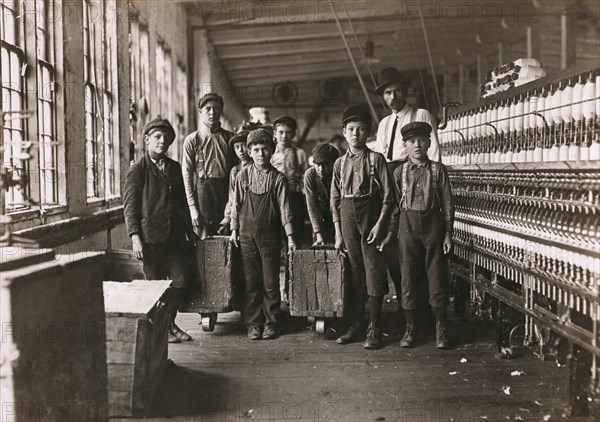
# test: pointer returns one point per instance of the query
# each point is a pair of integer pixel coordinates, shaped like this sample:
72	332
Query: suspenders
434	182
372	178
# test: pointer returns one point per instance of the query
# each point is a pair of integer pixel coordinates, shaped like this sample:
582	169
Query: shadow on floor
187	392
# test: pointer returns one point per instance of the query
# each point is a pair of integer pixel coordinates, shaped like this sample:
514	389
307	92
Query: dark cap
357	112
387	76
413	129
260	136
287	121
162	124
241	136
211	96
325	153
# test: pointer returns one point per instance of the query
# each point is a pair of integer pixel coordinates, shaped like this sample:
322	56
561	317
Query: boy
292	162
426	216
206	165
157	216
362	199
237	144
317	184
260	208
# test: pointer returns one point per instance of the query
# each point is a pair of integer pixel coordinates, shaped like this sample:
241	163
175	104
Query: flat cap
388	76
286	120
358	112
241	136
162	124
325	153
211	96
260	136
413	129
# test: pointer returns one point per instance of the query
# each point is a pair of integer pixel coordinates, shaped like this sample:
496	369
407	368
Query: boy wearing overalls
317	184
426	216
362	199
260	208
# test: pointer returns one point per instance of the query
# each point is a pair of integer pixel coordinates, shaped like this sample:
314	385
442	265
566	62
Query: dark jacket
155	204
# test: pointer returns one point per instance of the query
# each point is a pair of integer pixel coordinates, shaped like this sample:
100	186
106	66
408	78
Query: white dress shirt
384	133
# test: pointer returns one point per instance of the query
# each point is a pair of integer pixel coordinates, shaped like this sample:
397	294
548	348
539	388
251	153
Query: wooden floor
223	376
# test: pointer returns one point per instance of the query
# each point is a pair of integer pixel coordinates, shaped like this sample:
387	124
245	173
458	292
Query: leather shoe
269	333
410	336
441	335
179	333
373	340
349	336
254	333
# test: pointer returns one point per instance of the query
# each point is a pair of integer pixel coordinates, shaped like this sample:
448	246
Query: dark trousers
422	261
260	263
212	195
299	215
392	252
369	271
168	260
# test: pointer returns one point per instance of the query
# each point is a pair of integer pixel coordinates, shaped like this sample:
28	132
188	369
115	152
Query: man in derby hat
393	88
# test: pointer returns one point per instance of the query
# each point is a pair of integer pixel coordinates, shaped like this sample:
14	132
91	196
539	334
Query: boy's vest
433	170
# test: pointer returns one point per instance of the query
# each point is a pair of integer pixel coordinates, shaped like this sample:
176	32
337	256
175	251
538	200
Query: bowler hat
160	123
387	76
358	112
260	136
211	96
325	153
413	129
287	121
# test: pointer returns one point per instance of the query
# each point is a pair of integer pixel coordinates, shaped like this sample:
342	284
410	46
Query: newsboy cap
387	76
260	136
413	129
211	96
241	136
160	123
325	153
358	112
287	121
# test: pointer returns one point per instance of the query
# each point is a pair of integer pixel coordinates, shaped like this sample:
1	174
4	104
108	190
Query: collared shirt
232	175
318	194
420	195
160	163
356	180
260	181
404	116
292	162
206	154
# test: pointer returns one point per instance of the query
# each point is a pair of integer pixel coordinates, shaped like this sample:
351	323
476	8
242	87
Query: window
13	97
102	163
180	108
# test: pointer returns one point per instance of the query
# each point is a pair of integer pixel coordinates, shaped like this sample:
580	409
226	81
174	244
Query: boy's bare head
284	129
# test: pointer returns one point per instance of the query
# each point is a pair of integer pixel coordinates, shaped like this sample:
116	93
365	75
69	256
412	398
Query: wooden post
500	54
533	42
461	82
568	39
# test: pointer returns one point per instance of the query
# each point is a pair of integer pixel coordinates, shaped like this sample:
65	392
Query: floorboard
222	376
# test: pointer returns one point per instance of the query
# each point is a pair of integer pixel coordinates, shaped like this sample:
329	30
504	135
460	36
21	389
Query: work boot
254	333
441	335
350	335
373	340
270	332
179	333
410	335
173	338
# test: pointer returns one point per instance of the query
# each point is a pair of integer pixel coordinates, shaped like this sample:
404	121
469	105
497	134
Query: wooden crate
53	363
136	344
217	279
318	278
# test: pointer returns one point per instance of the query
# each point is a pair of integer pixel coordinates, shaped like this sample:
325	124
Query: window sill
29	214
